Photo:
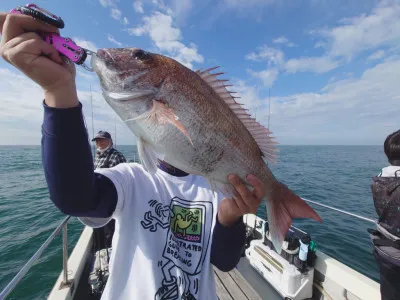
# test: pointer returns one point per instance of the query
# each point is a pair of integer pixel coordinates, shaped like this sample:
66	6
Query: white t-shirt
163	233
390	171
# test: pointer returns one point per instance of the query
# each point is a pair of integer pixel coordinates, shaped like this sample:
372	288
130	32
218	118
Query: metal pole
8	289
269	108
65	254
341	211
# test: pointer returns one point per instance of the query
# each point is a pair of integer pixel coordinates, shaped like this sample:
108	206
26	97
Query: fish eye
139	54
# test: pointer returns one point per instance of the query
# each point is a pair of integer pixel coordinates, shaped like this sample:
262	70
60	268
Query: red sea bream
191	121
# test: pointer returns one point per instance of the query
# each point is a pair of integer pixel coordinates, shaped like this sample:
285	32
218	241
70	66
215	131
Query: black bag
386	195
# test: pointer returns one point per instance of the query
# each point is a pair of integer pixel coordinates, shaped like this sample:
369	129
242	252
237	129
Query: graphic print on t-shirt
187	239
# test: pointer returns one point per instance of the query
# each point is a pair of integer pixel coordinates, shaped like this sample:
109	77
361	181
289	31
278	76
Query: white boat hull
332	279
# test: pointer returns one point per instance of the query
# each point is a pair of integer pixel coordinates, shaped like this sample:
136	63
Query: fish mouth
116	84
99	62
104	54
104	60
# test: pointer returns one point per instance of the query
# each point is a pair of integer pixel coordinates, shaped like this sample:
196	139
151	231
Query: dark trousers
103	236
389	275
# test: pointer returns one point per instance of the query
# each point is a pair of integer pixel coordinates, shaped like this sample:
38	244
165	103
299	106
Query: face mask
105	149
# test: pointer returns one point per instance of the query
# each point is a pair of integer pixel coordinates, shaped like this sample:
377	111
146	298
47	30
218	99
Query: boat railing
17	278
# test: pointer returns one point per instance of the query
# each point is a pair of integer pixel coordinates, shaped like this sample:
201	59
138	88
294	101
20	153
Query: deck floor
233	286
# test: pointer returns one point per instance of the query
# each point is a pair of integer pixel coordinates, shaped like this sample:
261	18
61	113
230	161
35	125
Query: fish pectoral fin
147	156
160	113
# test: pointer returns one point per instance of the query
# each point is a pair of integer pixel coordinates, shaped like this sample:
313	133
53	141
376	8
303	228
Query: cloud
125	21
276	58
351	111
245	4
116	13
114	41
365	32
317	65
85	44
377	55
272	55
280	40
167	38
181	9
160	29
138	7
22	114
268	76
359	110
284	41
104	118
15	86
380	28
106	3
249	96
159	4
85	75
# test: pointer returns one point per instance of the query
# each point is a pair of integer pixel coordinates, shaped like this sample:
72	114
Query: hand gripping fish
190	120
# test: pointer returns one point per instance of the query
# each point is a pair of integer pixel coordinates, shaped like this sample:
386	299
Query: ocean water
339	176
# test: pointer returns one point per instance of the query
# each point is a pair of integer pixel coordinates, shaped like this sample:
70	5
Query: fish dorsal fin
260	134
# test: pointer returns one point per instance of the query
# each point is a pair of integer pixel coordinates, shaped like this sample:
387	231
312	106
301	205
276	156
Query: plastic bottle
303	252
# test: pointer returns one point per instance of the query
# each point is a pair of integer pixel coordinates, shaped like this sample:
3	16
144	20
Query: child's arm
227	245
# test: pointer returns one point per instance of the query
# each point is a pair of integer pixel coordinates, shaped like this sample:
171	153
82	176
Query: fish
190	120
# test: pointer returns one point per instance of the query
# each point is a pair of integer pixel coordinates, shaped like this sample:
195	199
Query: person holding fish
202	165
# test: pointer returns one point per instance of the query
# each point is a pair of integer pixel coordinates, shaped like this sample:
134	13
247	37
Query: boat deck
233	286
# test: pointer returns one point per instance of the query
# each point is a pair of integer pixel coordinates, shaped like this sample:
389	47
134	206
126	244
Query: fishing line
341	211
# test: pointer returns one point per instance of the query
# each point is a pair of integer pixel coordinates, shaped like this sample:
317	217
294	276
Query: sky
331	68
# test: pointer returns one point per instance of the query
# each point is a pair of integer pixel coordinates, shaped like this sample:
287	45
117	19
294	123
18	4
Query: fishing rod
328	207
65	46
115	130
269	108
91	108
341	211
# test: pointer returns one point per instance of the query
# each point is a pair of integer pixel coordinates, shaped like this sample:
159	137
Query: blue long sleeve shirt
77	190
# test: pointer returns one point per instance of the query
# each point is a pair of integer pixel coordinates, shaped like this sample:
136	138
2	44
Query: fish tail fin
282	206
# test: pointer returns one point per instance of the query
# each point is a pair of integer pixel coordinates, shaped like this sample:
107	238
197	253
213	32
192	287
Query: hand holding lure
65	46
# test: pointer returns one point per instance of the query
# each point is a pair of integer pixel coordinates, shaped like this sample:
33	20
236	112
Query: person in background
106	155
386	239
